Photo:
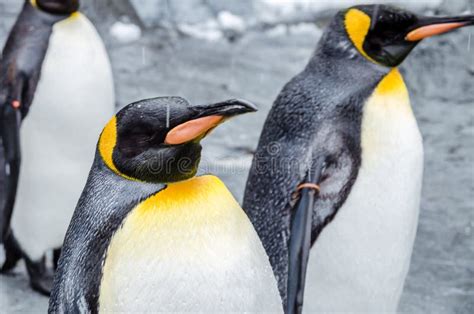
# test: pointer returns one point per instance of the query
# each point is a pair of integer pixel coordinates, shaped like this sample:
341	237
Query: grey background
253	64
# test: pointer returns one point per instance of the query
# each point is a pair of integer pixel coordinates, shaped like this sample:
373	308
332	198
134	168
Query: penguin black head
158	140
57	6
386	34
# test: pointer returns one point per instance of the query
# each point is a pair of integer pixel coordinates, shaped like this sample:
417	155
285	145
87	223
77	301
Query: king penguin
346	119
57	81
148	235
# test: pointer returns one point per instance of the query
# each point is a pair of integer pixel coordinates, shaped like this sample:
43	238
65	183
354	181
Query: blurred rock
296	11
166	12
208	30
231	22
245	8
455	7
125	32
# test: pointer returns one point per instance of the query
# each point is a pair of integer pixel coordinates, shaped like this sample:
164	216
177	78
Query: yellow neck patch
74	15
357	25
187	195
179	213
33	3
388	125
392	83
175	216
183	227
107	142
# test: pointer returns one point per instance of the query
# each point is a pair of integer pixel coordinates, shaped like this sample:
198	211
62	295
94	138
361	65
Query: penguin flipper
310	214
10	120
299	243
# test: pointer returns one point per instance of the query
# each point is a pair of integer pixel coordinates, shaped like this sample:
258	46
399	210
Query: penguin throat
393	84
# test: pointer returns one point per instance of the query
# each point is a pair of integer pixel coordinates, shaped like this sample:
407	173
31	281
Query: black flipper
10	120
300	238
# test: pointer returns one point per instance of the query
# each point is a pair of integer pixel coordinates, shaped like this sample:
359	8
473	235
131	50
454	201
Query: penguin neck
393	85
337	54
341	67
350	60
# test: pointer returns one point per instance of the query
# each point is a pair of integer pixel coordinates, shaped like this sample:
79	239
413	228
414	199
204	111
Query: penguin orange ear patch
191	130
357	25
107	142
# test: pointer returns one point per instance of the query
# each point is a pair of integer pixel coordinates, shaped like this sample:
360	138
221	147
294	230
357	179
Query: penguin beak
207	118
431	26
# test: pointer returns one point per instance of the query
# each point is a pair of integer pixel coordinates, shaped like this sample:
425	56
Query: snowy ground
254	65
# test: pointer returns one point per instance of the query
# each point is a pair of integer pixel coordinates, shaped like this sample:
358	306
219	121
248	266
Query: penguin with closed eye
148	235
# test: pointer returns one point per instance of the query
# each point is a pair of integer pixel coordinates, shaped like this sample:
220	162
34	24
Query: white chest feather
360	261
73	100
189	248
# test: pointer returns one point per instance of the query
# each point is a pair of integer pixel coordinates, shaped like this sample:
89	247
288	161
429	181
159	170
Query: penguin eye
131	146
136	140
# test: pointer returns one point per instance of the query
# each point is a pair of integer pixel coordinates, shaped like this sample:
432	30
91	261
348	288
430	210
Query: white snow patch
229	21
212	29
290	6
305	28
275	9
125	32
301	28
208	31
277	31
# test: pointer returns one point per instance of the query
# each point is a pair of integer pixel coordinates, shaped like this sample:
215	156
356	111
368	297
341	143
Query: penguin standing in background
147	235
344	128
55	69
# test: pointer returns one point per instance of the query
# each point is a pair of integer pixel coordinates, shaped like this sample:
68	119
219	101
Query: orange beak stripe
191	129
431	30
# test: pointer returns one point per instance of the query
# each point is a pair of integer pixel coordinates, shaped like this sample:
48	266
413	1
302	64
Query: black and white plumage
348	114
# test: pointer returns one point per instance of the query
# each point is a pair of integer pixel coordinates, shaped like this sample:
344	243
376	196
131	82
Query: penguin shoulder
206	193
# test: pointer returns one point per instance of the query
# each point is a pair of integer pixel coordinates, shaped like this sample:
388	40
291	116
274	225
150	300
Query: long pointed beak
431	26
207	118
